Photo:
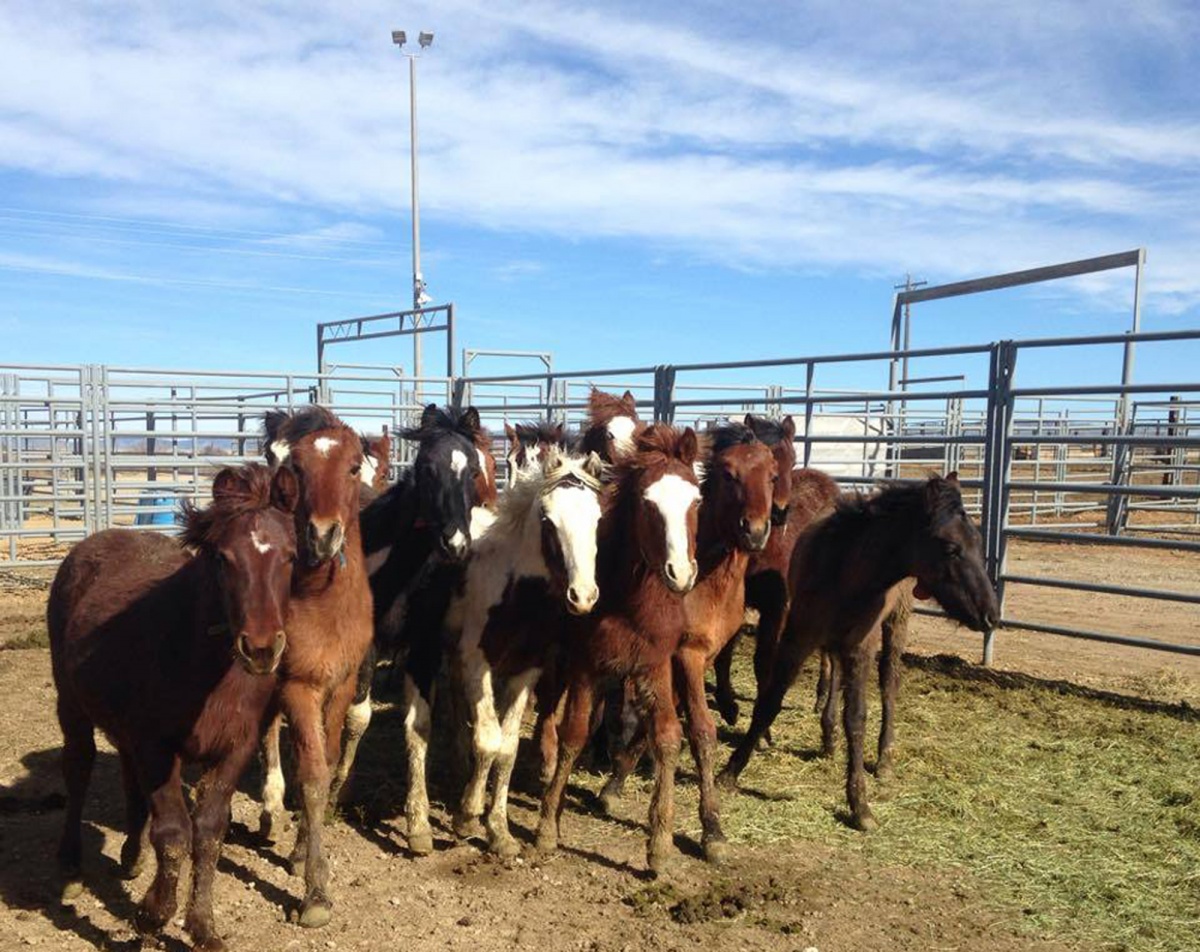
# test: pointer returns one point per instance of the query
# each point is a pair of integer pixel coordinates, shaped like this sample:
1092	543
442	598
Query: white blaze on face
458	462
483	467
368	471
621	428
263	547
323	444
280	450
673	496
575	514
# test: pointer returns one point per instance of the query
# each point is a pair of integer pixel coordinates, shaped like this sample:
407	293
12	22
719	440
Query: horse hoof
658	862
504	846
209	945
420	843
148	923
716	850
727	781
316	913
609	797
865	822
884	769
72	889
547	841
296	863
729	712
270	826
468	828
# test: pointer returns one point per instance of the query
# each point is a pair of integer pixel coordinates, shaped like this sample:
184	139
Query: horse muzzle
325	542
680	581
582	600
754	538
260	661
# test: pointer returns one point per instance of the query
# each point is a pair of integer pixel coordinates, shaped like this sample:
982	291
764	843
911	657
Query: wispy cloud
962	138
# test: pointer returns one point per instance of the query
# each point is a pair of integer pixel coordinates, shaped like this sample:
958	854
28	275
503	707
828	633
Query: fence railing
1102	464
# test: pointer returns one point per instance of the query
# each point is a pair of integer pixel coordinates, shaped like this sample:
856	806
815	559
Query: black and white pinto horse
535	564
528	442
422	523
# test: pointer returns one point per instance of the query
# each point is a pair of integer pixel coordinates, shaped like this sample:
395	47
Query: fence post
996	465
664	393
459	390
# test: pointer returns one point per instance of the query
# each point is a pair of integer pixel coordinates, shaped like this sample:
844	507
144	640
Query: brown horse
646	564
174	658
848	571
734	527
613	426
331	624
377	464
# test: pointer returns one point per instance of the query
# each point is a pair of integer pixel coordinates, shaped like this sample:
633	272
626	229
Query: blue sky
187	185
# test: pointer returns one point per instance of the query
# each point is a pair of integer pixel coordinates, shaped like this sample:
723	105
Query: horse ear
689	447
594	466
469	422
429	416
630	401
560	431
510	434
750	420
229	482
285	490
952	479
789	428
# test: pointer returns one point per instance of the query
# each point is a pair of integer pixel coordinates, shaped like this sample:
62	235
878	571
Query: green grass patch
1080	810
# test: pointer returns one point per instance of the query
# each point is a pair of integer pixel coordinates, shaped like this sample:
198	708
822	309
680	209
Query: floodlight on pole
419	296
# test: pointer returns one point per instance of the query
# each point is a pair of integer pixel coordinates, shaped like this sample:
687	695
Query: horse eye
953	550
356	469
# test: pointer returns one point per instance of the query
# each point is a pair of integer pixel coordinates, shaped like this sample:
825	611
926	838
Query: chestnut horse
734	528
175	659
330	631
848	572
377	465
646	564
613	426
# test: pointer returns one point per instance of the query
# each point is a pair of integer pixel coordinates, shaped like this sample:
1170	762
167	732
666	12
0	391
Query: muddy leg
209	825
656	700
417	725
302	704
79	753
625	761
572	736
727	704
829	709
854	718
486	740
171	834
702	737
500	840
549	698
358	718
137	811
895	630
272	819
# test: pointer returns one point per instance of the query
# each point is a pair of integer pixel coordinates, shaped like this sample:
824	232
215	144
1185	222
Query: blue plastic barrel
159	510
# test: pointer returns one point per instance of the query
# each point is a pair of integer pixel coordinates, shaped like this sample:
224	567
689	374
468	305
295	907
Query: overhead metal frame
396	324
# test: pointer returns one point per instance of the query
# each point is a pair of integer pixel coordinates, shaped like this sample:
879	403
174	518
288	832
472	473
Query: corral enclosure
1048	812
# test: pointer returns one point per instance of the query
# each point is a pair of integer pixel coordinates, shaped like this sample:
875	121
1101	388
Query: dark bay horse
734	527
175	658
331	627
848	572
536	564
646	564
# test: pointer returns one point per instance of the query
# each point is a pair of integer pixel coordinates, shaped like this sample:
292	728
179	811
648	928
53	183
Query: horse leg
829	707
822	682
702	738
854	719
549	697
79	753
170	833
656	699
417	725
572	735
272	819
727	704
767	706
137	811
768	593
487	737
358	719
209	825
500	840
625	760
895	633
302	704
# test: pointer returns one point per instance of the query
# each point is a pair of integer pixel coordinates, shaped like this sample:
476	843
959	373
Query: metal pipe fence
1111	464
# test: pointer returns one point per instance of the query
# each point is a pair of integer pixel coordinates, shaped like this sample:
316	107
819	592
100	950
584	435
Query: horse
527	442
613	425
847	574
734	528
175	657
536	564
431	513
330	630
766	576
377	464
646	564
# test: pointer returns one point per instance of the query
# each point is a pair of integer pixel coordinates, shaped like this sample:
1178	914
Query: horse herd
614	570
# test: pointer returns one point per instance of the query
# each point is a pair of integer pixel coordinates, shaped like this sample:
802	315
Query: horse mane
208	527
295	425
532	432
603	406
557	468
657	442
436	421
768	430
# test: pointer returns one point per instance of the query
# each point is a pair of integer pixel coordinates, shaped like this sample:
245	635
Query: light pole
419	297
